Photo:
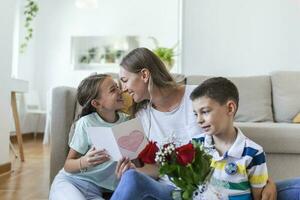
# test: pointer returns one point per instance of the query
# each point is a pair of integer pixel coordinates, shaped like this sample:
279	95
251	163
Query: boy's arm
256	193
258	174
266	193
269	191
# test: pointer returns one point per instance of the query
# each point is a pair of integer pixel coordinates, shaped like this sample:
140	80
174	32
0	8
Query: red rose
148	153
185	154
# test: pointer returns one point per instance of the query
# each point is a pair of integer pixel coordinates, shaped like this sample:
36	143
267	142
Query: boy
239	163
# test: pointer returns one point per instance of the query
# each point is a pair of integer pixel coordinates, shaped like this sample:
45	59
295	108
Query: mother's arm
150	170
269	192
124	164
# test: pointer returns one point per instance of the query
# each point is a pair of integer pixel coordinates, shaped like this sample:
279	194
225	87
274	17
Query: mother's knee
288	189
134	180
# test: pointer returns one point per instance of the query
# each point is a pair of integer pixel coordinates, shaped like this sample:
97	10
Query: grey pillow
255	97
286	95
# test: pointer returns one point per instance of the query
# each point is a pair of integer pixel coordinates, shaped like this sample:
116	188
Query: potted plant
164	53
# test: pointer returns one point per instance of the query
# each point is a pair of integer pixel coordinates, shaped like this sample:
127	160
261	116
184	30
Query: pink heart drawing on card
132	141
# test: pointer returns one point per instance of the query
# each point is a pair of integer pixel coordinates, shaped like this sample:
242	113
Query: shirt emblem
231	168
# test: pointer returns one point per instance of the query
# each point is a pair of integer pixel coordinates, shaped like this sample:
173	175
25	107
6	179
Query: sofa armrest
63	108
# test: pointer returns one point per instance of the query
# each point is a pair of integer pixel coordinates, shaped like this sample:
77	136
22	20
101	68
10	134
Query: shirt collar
236	150
108	123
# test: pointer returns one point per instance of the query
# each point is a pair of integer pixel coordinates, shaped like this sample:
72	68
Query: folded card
127	139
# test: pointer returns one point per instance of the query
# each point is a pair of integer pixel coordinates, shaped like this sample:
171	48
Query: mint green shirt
103	174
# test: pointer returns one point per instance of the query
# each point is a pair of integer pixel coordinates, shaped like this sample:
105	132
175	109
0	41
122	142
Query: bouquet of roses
187	166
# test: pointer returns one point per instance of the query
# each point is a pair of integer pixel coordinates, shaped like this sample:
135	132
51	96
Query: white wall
58	20
235	37
23	63
23	66
7	13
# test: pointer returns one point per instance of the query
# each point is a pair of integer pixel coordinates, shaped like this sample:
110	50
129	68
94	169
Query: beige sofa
267	106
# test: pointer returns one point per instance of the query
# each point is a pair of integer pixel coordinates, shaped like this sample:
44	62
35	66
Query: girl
88	172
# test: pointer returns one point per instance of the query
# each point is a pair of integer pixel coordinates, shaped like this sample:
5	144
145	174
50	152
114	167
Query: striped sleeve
257	170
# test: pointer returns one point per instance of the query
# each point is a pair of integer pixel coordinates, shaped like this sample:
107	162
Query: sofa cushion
286	95
255	97
273	137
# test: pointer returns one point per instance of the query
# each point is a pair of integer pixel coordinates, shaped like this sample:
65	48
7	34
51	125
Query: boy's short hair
219	89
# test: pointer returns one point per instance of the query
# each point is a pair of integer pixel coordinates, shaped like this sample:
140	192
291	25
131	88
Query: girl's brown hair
141	58
88	90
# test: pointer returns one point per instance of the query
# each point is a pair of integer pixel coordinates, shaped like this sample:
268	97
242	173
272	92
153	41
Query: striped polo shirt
241	168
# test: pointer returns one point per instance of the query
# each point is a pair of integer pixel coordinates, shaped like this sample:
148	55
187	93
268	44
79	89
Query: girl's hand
94	157
123	165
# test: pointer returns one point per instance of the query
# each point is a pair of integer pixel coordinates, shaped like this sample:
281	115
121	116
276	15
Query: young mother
165	109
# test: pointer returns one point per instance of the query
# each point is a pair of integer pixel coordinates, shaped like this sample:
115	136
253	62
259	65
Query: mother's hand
123	165
269	191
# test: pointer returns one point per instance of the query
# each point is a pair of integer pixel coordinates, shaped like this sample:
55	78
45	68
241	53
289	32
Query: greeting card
127	139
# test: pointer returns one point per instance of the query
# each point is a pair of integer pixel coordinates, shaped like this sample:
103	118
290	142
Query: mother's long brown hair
141	58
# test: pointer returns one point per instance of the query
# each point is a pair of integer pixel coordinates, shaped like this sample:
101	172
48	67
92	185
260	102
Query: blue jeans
135	185
288	189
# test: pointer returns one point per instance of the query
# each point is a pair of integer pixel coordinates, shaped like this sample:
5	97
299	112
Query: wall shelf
97	52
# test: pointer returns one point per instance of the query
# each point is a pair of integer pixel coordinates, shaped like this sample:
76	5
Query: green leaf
165	54
186	195
23	45
31	9
179	183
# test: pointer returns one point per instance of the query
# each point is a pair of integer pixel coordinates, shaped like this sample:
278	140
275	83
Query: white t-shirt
181	122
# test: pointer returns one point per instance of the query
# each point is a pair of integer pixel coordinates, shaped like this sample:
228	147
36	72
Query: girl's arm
75	162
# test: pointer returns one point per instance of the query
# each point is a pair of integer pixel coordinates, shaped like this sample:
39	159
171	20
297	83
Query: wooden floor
30	179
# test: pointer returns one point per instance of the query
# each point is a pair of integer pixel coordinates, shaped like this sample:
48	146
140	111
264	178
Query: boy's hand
269	191
94	157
